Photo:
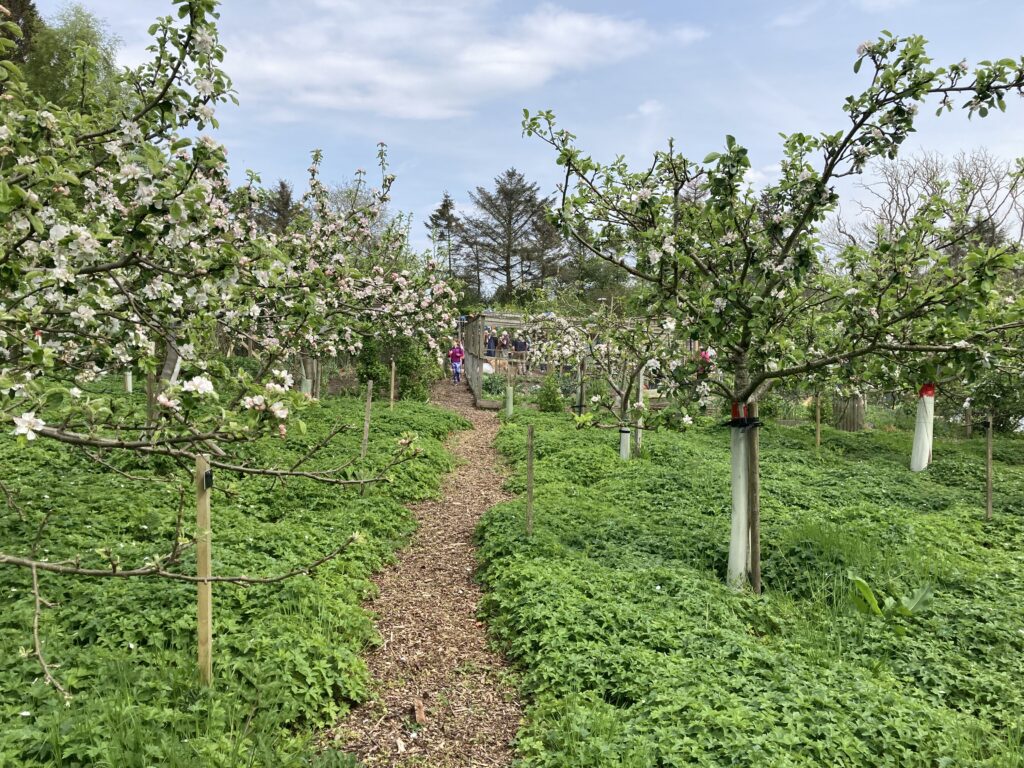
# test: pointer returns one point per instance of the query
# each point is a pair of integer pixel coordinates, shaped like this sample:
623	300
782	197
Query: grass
634	653
287	657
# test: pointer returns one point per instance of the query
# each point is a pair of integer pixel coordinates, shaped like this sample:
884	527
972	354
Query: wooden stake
392	403
988	469
366	419
640	421
128	382
817	419
529	480
420	711
204	480
754	496
583	377
508	398
150	398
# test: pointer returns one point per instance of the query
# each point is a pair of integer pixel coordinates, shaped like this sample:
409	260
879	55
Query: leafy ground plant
286	656
635	653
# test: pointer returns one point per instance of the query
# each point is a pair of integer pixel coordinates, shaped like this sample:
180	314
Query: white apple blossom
200	385
28	425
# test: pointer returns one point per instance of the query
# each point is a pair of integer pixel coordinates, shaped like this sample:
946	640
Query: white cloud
760	177
796	17
875	6
421	60
649	108
687	34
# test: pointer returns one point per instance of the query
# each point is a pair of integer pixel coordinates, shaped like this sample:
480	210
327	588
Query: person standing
456	355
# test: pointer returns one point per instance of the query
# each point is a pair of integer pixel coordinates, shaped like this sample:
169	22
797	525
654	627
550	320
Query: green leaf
919	601
864	598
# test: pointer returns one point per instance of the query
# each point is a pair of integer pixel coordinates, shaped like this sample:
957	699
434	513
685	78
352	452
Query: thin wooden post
624	443
529	480
817	419
204	614
583	376
128	382
366	419
392	403
988	468
754	496
640	420
150	398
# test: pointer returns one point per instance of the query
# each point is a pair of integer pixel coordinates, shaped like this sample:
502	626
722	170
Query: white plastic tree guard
739	538
624	434
921	455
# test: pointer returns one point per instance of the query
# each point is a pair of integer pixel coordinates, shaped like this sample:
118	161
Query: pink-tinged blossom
169	403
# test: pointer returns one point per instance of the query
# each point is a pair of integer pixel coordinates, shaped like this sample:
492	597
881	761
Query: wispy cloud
875	6
420	60
796	17
687	34
649	108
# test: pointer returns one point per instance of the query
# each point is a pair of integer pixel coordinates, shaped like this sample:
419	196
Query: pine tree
280	208
510	237
444	226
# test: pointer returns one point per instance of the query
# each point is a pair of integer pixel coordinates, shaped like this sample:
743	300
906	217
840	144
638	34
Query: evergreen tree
443	226
26	16
279	209
509	237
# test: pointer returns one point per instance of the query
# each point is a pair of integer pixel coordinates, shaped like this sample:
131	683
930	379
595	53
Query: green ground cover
286	656
635	653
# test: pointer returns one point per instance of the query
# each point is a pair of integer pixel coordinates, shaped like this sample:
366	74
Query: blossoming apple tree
627	351
123	247
742	269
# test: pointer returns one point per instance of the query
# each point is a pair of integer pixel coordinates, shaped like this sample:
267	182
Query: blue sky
444	82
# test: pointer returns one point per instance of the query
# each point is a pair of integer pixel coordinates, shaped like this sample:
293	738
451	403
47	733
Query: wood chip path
445	699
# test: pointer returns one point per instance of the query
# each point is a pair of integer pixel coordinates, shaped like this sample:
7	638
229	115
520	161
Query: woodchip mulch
444	699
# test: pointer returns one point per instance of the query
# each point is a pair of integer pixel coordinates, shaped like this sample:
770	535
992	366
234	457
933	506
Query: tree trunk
754	499
170	363
850	413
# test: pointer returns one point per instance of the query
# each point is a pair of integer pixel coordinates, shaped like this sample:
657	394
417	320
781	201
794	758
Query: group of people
500	345
496	345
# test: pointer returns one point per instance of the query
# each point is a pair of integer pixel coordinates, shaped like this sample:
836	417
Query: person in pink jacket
456	354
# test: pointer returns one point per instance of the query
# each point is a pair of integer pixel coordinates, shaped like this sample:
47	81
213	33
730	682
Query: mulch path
444	699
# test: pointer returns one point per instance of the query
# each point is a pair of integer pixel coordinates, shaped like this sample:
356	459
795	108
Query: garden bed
635	653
